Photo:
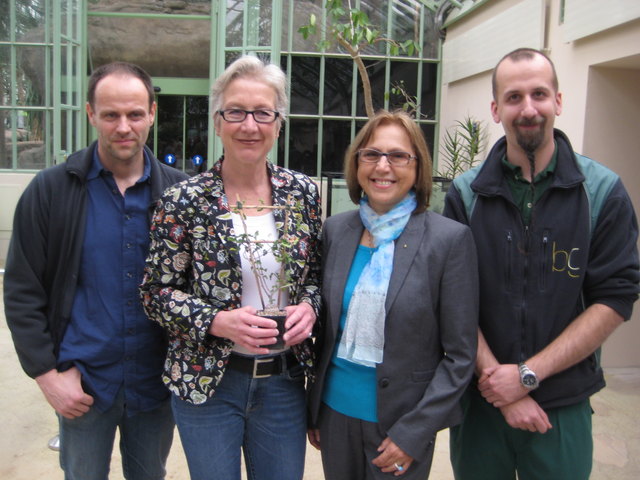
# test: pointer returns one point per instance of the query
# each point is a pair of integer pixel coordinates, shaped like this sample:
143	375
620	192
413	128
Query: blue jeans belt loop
262	367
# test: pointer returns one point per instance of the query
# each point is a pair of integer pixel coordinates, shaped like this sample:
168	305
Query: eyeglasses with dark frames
236	115
396	159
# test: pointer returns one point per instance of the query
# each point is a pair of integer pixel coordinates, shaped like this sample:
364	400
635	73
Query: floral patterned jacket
192	272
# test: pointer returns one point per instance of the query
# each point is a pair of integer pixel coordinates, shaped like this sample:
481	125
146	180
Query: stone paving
28	422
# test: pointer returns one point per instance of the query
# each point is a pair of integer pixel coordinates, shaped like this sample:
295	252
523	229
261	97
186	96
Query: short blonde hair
252	67
402	119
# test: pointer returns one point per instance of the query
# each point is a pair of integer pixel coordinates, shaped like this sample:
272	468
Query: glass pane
66	26
406	22
305	84
192	7
67	130
30	20
429	135
377	12
69	77
429	90
74	31
5	75
337	135
230	57
6	141
376	70
31	139
197	123
30	88
303	146
403	76
431	45
264	10
170	117
169	47
235	16
302	10
258	23
338	80
5	27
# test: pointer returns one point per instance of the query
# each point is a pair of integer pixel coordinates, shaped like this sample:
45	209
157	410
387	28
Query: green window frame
312	140
287	48
45	108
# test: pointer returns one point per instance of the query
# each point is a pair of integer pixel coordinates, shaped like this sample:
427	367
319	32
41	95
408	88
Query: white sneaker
54	443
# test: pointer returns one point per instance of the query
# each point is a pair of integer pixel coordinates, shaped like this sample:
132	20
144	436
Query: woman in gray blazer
400	305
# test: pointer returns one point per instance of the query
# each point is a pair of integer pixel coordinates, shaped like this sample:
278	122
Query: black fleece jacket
579	249
44	255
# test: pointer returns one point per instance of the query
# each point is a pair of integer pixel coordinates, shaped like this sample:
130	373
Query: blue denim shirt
109	338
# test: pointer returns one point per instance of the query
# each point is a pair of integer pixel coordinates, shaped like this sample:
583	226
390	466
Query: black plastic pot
279	316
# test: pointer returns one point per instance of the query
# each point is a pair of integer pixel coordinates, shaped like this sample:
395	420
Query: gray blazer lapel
406	247
344	244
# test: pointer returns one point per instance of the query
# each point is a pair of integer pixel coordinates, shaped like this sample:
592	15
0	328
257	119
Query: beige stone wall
11	187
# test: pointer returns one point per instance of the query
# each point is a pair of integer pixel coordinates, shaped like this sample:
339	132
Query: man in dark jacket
558	273
80	238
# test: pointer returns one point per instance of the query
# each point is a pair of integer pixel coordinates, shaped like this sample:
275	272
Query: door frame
185	87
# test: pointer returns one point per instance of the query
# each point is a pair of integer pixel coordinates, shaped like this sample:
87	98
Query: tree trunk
364	75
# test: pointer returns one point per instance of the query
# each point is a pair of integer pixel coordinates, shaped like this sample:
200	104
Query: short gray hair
253	68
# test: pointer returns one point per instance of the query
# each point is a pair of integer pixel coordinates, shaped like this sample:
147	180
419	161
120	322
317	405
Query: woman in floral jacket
230	392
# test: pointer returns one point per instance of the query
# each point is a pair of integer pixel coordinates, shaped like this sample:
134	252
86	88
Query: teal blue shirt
350	389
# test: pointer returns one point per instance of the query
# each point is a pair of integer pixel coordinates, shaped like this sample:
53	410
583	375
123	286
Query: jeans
265	417
86	442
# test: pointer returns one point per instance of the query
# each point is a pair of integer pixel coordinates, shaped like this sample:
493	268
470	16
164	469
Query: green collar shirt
524	196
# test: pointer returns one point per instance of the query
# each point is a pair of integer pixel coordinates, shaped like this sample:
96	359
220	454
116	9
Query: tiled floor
27	422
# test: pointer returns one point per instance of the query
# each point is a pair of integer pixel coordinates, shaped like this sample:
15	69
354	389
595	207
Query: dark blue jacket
580	249
45	251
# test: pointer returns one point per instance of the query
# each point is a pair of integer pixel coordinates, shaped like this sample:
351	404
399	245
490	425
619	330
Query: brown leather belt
262	367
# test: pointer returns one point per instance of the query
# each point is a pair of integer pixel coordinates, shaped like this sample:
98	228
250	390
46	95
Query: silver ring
310	334
400	468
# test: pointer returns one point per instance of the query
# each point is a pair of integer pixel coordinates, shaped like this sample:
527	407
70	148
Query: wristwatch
528	378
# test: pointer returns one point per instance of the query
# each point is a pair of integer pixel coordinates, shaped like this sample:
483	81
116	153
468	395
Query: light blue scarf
362	340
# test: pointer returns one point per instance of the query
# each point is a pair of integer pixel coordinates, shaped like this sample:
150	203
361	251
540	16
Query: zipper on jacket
544	263
525	284
508	254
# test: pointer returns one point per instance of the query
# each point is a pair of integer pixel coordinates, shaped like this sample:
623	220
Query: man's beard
530	141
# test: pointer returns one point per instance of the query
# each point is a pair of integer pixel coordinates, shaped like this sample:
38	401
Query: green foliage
270	285
352	29
461	147
409	102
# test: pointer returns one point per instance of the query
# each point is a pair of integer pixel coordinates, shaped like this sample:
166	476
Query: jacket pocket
422	376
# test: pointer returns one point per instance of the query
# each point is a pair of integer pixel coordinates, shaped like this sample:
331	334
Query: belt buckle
258	361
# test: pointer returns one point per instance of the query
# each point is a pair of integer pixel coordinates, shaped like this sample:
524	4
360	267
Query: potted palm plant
461	148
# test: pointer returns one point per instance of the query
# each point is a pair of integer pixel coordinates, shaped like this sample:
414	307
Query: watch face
529	380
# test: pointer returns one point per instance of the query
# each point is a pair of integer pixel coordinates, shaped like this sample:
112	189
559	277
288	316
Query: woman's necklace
368	240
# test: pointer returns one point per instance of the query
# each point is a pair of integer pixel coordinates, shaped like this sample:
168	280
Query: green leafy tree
352	30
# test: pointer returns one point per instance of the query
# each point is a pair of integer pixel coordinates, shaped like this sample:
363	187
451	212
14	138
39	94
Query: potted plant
461	149
271	285
462	145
